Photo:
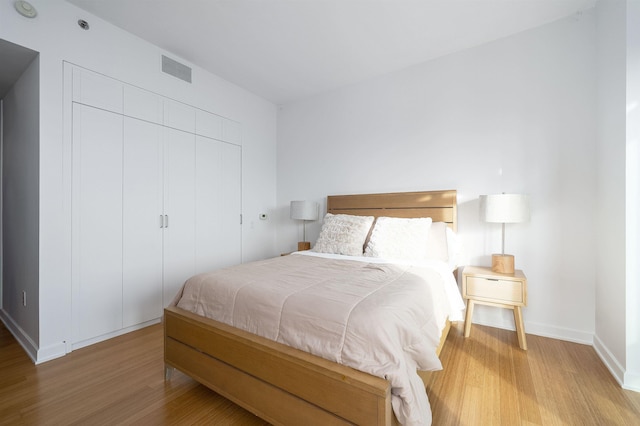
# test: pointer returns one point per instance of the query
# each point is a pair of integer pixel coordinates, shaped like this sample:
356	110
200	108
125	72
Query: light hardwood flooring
487	380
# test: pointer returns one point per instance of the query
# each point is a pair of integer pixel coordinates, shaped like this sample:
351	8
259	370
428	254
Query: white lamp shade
304	210
505	208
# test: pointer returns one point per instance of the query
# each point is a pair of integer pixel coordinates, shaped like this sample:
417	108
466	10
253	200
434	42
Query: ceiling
284	50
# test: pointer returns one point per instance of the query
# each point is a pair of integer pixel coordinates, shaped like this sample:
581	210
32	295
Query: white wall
617	337
514	115
632	373
20	202
111	51
610	281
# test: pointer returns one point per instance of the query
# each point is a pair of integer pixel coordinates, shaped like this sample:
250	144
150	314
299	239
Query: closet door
179	208
142	226
231	199
218	228
96	222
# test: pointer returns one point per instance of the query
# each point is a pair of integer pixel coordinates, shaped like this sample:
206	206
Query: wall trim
107	336
544	330
30	347
57	350
561	333
51	352
631	382
609	360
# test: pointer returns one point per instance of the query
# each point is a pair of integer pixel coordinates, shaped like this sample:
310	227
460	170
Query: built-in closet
156	198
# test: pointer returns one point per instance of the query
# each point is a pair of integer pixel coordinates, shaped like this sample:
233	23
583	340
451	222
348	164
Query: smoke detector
25	8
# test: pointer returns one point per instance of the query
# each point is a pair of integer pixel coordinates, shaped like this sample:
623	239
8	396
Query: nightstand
482	286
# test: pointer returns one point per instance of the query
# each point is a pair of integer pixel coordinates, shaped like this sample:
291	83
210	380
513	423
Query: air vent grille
176	69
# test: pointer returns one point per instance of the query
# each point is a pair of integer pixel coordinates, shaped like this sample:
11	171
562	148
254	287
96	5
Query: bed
277	382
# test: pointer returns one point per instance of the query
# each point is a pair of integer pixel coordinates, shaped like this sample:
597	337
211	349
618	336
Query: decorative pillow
343	234
399	238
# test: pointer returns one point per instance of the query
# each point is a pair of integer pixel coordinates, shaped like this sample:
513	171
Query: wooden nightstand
482	286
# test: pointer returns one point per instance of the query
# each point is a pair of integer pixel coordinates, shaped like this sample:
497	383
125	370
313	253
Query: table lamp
304	210
504	208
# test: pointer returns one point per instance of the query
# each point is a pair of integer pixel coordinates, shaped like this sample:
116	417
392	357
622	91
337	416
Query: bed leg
168	372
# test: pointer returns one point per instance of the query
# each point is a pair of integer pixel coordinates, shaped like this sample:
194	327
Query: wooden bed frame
283	385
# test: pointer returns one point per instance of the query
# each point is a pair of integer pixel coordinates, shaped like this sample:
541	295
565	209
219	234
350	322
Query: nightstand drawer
495	289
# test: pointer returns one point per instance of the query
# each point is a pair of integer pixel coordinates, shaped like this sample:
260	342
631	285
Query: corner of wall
609	360
631	382
23	338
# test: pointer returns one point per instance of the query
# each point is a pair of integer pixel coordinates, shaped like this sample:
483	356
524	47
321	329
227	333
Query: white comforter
381	318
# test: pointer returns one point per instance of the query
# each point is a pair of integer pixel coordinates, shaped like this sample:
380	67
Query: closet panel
208	208
142	104
142	226
209	125
179	208
96	222
231	131
179	116
94	89
218	228
231	200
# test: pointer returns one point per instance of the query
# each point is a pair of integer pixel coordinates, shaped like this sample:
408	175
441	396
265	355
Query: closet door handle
166	220
161	221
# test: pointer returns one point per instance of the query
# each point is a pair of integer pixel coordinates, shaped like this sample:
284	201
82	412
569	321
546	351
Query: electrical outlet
24	298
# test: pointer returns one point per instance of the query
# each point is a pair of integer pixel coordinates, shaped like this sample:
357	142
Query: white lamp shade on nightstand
504	208
304	210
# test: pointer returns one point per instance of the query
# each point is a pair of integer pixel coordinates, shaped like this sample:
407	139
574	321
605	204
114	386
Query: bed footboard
278	383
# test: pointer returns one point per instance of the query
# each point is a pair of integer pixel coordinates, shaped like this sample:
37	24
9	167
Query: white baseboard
610	361
631	382
561	333
627	380
543	330
88	342
51	352
30	347
40	355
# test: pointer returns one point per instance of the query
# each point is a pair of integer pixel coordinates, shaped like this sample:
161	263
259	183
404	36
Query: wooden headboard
441	206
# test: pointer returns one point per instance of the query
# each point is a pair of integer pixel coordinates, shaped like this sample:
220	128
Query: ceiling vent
176	69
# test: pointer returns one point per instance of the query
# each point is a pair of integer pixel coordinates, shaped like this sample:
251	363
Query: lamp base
502	263
304	245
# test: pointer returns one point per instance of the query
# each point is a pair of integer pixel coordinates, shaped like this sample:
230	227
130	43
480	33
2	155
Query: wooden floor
486	380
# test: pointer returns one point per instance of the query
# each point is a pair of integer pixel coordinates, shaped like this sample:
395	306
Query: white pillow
437	247
343	234
454	247
399	238
443	244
